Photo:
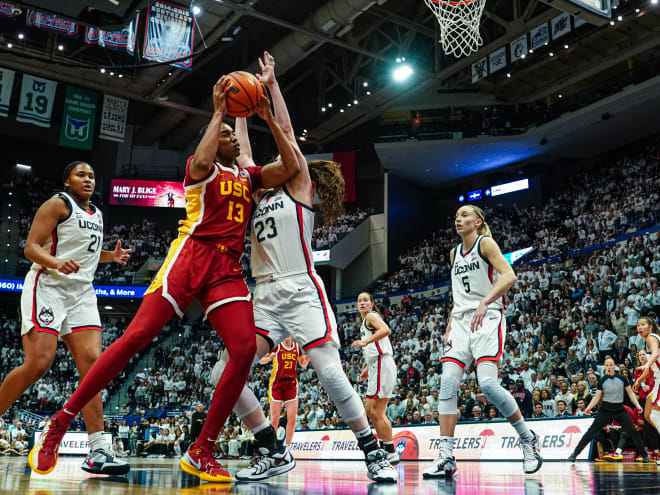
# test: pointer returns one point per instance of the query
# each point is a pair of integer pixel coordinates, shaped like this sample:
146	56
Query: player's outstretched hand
267	66
68	266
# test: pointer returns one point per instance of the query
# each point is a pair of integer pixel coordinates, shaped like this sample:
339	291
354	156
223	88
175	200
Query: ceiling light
365	84
196	10
402	73
112	73
566	46
619	18
355	102
22	166
102	70
611	23
508	74
323	109
368	93
348	105
60	47
9	45
329	105
121	75
107	307
21	36
560	95
341	110
551	54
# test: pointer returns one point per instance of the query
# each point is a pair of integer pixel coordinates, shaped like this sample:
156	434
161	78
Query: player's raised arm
245	158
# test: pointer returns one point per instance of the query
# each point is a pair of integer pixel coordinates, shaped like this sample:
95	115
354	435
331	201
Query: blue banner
169	34
51	23
123	40
125	291
9	9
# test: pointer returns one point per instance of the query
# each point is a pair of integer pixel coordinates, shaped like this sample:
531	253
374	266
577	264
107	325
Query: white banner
75	442
486	440
518	47
497	60
37	96
113	118
539	36
479	69
6	85
560	26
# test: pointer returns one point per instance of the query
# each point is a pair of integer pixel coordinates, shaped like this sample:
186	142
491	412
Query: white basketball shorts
295	305
486	344
382	378
57	306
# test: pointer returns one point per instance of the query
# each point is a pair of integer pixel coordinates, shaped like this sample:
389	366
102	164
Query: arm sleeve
626	382
599	386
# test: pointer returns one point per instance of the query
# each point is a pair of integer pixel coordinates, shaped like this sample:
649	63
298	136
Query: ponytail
330	187
483	229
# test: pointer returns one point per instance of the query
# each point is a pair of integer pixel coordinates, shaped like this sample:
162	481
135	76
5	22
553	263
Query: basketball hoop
459	25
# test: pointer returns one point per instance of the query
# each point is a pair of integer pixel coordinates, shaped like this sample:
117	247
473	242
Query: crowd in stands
585	210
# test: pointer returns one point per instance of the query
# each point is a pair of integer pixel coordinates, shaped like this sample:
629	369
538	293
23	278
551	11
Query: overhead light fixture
611	23
22	166
120	76
21	36
112	73
341	110
551	54
402	73
619	18
107	307
60	47
9	45
196	10
236	30
102	70
368	93
329	105
365	84
323	109
560	95
566	47
508	74
355	102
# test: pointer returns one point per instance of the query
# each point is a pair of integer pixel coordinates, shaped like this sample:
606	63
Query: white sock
97	441
618	451
261	427
523	431
446	446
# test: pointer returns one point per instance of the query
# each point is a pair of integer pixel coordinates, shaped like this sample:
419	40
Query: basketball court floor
163	477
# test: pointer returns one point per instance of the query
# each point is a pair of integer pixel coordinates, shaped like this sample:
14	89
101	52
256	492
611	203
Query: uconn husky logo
77	130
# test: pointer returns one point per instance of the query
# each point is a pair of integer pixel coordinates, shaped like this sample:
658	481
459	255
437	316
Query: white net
459	25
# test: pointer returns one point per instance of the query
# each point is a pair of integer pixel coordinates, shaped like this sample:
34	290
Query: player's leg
380	386
629	429
39	348
151	317
234	322
85	348
275	412
291	411
445	464
327	364
505	403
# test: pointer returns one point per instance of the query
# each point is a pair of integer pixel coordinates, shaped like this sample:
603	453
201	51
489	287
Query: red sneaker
201	463
43	456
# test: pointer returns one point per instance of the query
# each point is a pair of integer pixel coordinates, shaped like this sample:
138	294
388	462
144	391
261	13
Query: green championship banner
78	118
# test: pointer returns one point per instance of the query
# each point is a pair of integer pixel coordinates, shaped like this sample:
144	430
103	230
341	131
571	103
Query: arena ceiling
325	50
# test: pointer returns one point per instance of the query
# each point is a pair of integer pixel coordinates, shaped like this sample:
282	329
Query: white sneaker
532	460
267	464
104	462
442	467
393	458
379	468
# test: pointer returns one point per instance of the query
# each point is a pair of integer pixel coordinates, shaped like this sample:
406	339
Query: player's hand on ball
263	110
68	266
220	91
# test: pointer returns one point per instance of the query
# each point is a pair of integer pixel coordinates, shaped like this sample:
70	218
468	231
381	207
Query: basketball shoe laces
260	462
382	462
208	464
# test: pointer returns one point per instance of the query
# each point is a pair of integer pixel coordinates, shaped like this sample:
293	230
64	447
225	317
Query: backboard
597	12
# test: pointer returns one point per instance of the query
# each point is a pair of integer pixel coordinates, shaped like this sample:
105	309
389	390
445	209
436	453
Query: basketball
244	95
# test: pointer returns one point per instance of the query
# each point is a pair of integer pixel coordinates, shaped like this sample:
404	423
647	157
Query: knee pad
336	384
498	396
449	381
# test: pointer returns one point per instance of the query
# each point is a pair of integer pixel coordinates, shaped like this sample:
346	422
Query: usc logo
233	188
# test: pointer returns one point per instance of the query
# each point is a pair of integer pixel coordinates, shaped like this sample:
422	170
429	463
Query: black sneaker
104	462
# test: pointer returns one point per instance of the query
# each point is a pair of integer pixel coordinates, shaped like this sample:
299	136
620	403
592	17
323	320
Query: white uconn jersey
655	367
79	237
381	347
281	237
472	277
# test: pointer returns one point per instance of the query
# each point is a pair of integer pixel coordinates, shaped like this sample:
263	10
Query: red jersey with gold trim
219	205
284	363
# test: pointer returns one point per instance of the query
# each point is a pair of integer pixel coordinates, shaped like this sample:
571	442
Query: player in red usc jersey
202	263
283	385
